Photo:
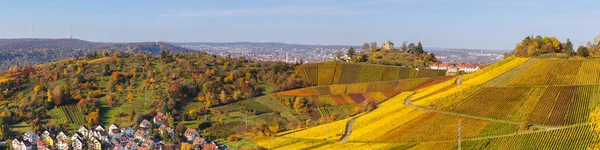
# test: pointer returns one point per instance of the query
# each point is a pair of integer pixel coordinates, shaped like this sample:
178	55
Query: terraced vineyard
517	103
328	73
382	86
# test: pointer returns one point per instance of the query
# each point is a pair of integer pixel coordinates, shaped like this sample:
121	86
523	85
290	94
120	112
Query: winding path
348	129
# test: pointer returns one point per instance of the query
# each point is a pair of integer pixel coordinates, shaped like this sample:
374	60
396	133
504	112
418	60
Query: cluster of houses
454	68
113	137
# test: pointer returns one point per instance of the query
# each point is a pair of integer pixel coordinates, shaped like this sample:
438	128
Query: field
517	103
381	86
559	72
69	114
328	73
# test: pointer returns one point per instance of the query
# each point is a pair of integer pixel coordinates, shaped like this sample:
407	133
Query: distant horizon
395	45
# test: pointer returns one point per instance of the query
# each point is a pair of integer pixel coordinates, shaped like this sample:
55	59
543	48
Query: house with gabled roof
128	131
21	144
83	130
62	135
210	146
41	145
95	143
62	144
131	145
140	135
198	141
77	144
190	134
145	124
31	137
159	119
113	131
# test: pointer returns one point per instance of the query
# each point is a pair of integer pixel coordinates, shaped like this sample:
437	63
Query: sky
475	24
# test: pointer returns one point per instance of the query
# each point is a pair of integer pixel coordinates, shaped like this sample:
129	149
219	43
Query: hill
27	52
517	103
127	87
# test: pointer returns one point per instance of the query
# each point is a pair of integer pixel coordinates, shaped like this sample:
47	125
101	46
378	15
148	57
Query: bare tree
404	47
365	47
337	55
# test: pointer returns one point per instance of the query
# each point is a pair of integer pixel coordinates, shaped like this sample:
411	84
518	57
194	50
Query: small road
348	129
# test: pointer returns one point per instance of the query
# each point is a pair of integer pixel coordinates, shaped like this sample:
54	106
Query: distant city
316	53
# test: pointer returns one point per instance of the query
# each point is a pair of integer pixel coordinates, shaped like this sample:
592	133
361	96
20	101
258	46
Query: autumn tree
223	97
337	55
57	96
351	52
365	47
583	51
404	46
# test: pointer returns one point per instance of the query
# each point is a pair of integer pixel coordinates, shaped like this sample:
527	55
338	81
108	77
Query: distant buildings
453	68
387	46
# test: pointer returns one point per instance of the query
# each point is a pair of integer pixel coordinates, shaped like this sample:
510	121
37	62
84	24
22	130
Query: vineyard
382	86
517	103
70	114
328	73
559	72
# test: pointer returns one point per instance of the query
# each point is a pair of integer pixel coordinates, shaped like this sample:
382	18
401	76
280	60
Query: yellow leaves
36	88
130	97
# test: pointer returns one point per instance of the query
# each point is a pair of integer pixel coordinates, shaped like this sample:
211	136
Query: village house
31	137
145	124
41	145
190	134
83	130
99	128
77	135
113	131
148	143
140	135
62	136
50	133
128	131
77	144
198	142
159	119
131	145
119	147
49	140
211	146
20	144
95	143
62	144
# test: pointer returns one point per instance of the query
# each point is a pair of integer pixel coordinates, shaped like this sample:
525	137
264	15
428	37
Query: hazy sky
489	24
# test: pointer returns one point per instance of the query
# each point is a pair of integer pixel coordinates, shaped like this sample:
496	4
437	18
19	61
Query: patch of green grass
276	106
20	128
269	88
243	143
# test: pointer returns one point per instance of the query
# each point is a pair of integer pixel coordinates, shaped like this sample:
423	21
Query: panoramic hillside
195	90
517	103
27	52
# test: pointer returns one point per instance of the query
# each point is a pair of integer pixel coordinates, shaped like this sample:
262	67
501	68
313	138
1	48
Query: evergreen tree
419	49
569	48
351	52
